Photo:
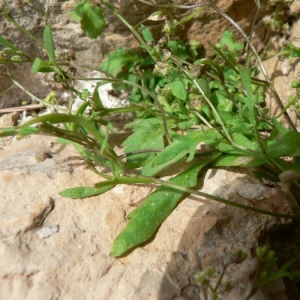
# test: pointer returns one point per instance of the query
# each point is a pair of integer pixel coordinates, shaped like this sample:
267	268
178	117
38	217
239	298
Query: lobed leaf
181	146
227	39
148	134
251	98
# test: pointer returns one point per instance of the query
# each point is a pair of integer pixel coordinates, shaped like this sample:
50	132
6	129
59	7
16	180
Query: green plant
218	101
264	274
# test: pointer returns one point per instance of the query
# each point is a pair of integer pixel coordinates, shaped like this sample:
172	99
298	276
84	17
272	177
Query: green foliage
90	17
179	100
84	192
264	274
145	220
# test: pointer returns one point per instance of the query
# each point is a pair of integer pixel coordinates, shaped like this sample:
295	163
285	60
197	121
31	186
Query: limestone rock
72	261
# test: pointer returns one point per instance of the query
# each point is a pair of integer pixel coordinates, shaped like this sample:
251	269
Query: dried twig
21	108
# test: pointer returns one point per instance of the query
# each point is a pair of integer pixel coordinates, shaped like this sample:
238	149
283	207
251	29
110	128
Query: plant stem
278	100
8	17
33	96
138	179
140	39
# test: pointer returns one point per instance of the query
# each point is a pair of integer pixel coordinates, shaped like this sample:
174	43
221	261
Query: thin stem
140	39
138	179
8	17
277	98
257	2
218	117
221	277
33	96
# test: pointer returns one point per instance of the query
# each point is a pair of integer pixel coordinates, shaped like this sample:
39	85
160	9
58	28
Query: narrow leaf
41	66
6	43
230	160
84	192
49	43
146	219
251	98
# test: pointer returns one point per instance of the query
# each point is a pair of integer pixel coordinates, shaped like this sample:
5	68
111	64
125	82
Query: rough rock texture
57	248
206	28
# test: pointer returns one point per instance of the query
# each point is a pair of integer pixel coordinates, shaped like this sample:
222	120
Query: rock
295	7
10	119
74	263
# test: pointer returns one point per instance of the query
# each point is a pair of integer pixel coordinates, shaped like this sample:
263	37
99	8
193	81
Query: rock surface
57	248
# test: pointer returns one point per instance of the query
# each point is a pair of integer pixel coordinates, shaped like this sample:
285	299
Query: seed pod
289	176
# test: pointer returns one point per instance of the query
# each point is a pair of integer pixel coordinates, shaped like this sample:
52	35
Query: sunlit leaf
146	219
84	192
181	146
40	65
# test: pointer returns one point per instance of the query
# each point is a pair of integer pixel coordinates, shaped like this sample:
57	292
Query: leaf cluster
180	100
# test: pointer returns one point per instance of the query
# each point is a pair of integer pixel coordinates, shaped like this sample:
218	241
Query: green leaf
203	83
147	34
84	192
234	122
49	43
228	40
181	146
287	143
91	18
231	160
119	59
6	43
251	99
148	134
178	48
291	50
40	65
146	219
178	88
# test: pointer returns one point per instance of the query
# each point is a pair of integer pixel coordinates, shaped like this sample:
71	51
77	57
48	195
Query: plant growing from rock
264	274
179	99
